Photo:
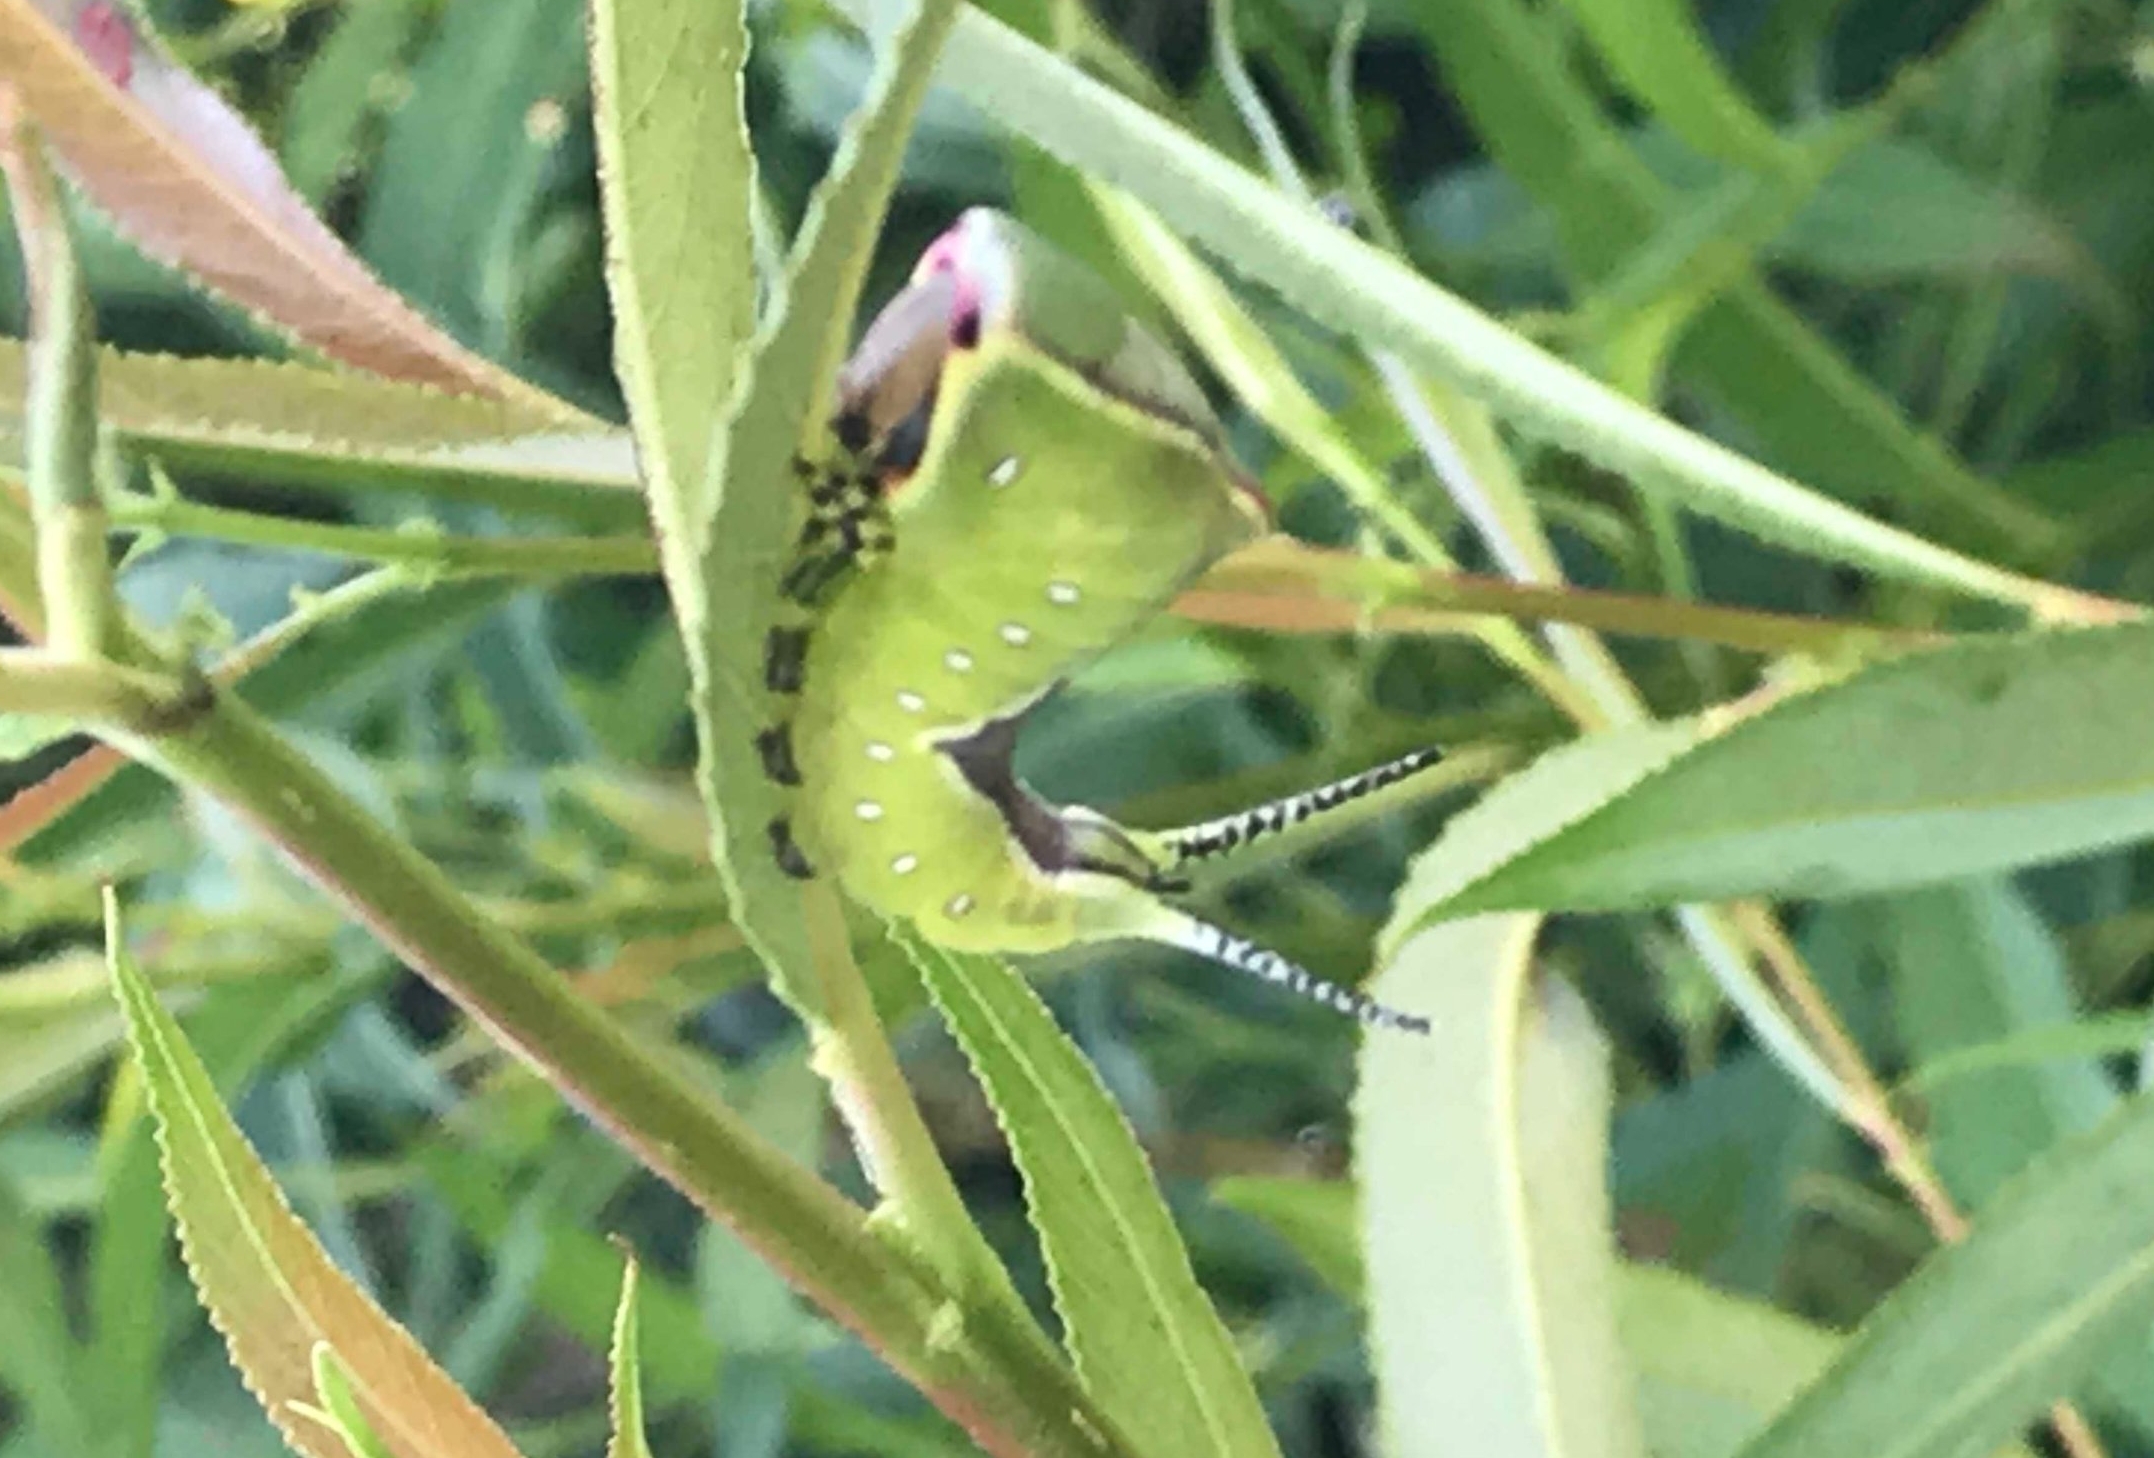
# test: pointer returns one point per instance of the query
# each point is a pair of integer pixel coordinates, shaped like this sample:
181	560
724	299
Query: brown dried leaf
186	178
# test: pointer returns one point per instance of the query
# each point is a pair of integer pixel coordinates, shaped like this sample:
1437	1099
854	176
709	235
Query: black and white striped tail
1229	950
1217	837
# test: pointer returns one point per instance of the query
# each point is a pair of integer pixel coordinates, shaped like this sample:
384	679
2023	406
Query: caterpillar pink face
987	276
886	391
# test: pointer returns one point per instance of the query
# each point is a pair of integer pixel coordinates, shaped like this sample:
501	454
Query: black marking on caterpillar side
787	851
1228	950
1216	837
841	493
785	655
775	744
809	578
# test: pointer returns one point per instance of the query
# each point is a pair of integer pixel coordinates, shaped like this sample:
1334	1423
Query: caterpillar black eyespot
946	605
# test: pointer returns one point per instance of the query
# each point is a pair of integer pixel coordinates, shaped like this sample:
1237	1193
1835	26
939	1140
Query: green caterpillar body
1048	477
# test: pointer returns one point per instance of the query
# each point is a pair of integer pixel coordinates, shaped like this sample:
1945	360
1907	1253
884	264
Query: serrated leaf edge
156	1039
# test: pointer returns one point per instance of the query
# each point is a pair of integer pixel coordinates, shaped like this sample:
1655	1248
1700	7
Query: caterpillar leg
785	654
1092	842
1216	837
775	745
786	851
1208	941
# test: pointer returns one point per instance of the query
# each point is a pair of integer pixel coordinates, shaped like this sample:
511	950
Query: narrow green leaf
127	1274
2111	1035
1987	1332
1985	755
1711	1369
340	1410
40	1362
677	178
322	127
269	1287
297	426
1319	1218
1533	808
1805	404
1146	1340
724	578
1655	46
1895	209
625	1365
1972	964
1482	1162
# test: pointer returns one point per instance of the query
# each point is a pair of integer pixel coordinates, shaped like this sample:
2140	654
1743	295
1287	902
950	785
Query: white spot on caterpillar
910	702
1004	473
959	904
1017	635
880	752
868	810
1062	594
957	660
905	865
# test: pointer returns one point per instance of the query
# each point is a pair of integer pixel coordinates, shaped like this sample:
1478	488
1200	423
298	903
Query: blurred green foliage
1952	327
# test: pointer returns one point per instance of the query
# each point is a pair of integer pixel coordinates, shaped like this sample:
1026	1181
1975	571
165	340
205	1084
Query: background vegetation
1899	253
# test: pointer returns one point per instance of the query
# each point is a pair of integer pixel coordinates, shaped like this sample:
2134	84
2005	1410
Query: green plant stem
995	1375
1309	589
74	576
424	549
19	600
41	681
852	1053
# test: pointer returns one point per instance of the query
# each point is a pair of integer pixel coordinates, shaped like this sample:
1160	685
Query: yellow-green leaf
724	580
1482	1161
1663	59
269	1287
626	1366
1711	1368
678	175
296	425
2058	1269
1146	1340
340	1409
1986	755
